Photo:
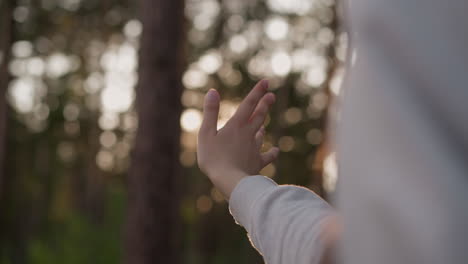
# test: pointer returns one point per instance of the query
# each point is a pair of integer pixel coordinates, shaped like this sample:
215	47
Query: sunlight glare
190	120
35	66
238	43
21	94
105	160
108	121
276	28
281	63
194	78
58	64
22	49
118	93
300	7
315	76
211	62
226	111
330	170
133	28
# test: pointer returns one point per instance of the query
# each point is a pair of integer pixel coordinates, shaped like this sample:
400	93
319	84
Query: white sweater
283	221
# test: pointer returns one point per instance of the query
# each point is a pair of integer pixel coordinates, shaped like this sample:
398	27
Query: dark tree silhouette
6	27
153	204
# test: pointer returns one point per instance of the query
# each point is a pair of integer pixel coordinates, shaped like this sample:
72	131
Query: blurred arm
285	223
403	142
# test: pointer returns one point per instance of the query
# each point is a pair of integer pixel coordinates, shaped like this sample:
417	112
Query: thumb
210	113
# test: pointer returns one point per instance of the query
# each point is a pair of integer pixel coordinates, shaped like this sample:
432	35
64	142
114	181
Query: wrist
225	180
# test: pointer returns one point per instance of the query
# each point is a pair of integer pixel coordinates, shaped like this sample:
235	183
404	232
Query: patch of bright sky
22	49
226	111
26	91
70	5
299	7
119	63
108	121
276	28
202	13
194	78
229	75
281	63
258	65
210	62
94	82
117	95
21	94
133	28
301	59
17	67
315	76
190	120
238	43
34	66
58	64
120	58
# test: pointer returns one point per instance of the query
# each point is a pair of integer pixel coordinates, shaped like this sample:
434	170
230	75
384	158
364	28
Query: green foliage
78	240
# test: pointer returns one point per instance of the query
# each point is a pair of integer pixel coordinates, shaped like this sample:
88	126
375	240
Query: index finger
250	102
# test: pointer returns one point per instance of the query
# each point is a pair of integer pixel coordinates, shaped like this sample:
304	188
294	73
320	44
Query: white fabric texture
403	135
284	222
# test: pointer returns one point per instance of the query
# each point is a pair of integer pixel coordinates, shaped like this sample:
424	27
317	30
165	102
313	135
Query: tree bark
153	198
6	39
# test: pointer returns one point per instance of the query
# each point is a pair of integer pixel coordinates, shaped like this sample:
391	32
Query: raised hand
234	151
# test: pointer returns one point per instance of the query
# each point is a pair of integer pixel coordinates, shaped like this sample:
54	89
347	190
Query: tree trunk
6	38
153	198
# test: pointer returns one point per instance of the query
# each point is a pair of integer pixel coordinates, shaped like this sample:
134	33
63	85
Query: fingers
269	156
261	112
259	137
210	113
248	105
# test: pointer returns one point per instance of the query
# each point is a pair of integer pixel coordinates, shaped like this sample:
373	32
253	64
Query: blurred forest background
99	111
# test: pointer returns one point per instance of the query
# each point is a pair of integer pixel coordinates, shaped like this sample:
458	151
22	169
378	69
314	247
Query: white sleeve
403	134
283	222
